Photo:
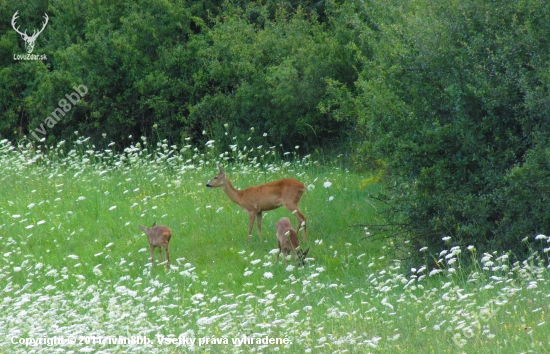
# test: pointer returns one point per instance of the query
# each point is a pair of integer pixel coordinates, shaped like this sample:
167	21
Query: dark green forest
448	100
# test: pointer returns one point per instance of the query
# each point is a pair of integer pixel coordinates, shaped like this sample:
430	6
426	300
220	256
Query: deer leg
259	216
301	223
278	253
251	223
293	208
167	256
152	254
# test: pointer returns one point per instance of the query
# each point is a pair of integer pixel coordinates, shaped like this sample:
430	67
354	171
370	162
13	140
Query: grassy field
75	273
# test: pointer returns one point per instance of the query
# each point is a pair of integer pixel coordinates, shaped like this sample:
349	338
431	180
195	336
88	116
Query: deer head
29	40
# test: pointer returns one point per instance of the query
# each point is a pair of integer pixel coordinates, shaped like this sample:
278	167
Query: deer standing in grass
287	240
264	197
159	236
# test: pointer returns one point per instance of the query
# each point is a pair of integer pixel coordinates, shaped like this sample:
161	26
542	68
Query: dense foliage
450	98
456	103
177	69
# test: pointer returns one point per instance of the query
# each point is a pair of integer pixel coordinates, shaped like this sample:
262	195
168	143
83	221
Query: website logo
29	40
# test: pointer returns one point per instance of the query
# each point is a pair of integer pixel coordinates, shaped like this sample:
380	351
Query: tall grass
74	263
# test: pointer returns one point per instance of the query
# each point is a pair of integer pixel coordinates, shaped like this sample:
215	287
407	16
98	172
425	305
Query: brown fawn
287	241
159	236
264	197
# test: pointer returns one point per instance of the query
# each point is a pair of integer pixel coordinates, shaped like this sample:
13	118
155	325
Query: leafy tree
449	106
177	69
270	73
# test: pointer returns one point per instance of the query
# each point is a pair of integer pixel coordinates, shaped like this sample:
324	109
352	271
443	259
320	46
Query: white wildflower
386	303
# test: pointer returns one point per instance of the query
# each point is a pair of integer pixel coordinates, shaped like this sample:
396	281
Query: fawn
159	236
287	240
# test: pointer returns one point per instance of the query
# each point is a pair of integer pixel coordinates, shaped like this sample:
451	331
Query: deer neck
233	193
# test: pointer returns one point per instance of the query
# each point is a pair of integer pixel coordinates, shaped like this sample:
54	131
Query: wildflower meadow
76	277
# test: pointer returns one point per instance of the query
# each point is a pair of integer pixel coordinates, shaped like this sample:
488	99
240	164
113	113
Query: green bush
526	197
455	102
182	69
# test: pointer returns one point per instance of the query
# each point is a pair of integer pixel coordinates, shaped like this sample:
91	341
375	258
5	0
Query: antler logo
29	40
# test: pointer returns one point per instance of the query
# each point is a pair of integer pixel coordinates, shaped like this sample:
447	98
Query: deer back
288	241
158	235
271	195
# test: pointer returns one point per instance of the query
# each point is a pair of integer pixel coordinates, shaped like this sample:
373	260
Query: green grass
74	262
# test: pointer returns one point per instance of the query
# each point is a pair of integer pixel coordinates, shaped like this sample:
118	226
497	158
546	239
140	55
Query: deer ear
221	169
154	224
144	228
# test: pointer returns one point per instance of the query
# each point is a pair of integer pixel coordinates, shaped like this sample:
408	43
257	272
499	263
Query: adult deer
287	241
264	197
159	236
